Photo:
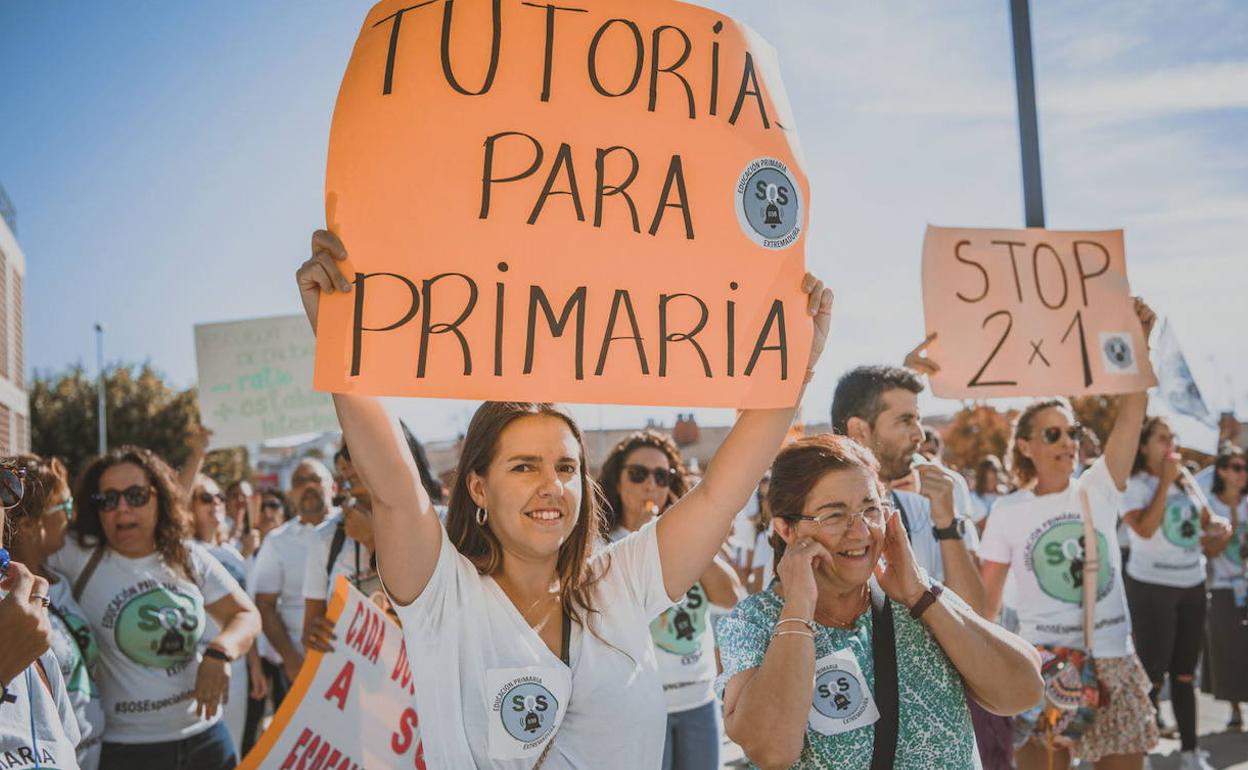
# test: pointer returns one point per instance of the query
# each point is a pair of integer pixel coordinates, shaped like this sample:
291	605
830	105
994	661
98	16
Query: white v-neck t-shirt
37	724
491	694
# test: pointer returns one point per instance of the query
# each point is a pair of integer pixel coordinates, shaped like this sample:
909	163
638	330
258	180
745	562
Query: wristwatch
952	532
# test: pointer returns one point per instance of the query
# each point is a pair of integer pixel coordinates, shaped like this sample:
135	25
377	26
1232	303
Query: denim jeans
213	749
693	739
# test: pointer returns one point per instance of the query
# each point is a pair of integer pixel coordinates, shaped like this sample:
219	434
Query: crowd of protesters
842	600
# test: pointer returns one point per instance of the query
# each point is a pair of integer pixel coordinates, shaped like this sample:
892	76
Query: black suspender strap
905	519
335	546
884	650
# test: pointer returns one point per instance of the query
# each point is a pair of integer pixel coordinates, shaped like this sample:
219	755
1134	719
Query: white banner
350	709
1177	397
255	381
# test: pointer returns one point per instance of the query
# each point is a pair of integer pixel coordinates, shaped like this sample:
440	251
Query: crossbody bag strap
884	650
565	654
1091	571
88	570
335	546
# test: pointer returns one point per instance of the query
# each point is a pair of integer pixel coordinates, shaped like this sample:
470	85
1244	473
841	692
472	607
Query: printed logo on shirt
1055	554
528	712
160	627
679	629
842	700
1181	524
75	668
527	705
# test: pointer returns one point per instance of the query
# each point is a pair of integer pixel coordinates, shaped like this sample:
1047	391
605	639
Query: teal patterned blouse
934	725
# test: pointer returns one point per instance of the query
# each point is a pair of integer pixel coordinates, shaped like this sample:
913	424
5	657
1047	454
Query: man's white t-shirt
148	620
31	706
1172	556
78	655
918	513
1227	568
491	694
280	568
1041	538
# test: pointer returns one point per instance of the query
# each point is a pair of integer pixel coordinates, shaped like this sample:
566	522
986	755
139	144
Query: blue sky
167	159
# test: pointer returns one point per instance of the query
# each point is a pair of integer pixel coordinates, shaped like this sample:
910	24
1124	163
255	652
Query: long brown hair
172	517
609	478
481	545
1022	469
800	466
1226	453
44	477
1151	424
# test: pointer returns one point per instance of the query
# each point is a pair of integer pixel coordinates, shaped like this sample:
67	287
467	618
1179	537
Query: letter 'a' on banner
594	202
1031	313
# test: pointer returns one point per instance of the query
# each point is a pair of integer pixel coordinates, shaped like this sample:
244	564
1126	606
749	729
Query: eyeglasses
1053	434
638	473
1237	467
271	505
135	496
11	486
67	506
208	498
837	522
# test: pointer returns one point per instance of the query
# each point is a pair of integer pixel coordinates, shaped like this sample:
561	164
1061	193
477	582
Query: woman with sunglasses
1171	529
1228	585
1036	534
641	477
148	591
39	719
530	643
845	655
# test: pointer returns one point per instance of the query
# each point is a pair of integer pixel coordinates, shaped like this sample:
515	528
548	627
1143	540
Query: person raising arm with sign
530	645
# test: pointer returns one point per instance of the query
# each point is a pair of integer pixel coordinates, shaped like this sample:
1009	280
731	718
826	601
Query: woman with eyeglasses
1171	530
530	642
40	721
148	591
854	652
1228	585
1036	535
640	479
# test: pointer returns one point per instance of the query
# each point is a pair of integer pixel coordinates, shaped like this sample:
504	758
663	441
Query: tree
1096	413
974	433
141	409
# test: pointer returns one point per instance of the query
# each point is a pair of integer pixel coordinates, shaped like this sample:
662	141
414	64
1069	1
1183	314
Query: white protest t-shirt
490	693
918	513
1041	538
280	567
1227	568
1172	556
354	562
148	620
684	644
29	706
234	712
78	655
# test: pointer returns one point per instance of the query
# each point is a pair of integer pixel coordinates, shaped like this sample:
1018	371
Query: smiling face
532	488
129	530
856	550
1053	462
644	499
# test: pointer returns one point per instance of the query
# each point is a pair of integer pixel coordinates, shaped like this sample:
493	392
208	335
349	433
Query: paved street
1227	751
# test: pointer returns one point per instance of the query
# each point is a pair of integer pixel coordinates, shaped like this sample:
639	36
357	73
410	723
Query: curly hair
1022	469
172	516
45	476
609	477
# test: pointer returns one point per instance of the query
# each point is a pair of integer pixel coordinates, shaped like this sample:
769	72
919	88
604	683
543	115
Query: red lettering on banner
367	631
310	752
342	686
402	672
401	741
289	762
318	762
420	756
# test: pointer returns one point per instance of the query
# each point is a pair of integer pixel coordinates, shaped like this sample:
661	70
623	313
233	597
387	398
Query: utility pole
1028	128
102	401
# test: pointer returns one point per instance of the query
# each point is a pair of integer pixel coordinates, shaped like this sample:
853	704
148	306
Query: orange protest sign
595	202
1031	313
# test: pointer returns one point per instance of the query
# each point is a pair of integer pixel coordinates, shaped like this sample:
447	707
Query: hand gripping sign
1031	313
352	708
590	201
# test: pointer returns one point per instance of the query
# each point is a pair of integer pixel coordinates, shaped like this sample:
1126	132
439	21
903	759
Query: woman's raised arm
691	532
407	529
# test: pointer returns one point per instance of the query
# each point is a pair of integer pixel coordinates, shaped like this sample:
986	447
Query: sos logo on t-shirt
160	627
1055	555
842	700
79	657
679	629
527	705
1181	523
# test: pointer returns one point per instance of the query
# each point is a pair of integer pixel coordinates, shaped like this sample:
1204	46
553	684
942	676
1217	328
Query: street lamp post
1028	128
102	401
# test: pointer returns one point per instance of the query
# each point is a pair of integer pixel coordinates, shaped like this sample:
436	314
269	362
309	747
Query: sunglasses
271	505
135	496
1054	434
67	506
11	486
208	498
638	473
1237	467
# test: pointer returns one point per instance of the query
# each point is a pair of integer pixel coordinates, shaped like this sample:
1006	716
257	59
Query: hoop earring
482	516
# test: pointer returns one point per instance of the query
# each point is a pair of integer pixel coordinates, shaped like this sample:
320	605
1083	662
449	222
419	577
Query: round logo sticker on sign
769	204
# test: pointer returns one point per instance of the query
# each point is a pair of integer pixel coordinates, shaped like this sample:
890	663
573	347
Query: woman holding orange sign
535	641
